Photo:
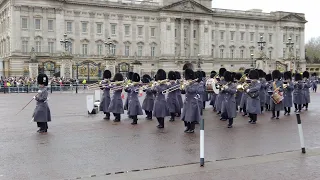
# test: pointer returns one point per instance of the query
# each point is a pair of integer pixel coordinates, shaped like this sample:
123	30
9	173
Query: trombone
179	86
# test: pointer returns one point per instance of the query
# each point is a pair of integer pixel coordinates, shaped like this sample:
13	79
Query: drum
277	97
210	86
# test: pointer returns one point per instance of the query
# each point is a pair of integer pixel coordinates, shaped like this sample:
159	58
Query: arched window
153	49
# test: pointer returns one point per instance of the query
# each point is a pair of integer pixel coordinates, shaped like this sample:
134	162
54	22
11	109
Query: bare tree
313	50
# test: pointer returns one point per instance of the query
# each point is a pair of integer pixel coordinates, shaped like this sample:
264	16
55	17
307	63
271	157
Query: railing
52	88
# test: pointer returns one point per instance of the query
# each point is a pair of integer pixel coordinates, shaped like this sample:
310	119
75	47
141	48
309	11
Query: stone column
191	38
201	38
206	35
182	53
66	68
301	45
33	69
1	68
172	38
163	36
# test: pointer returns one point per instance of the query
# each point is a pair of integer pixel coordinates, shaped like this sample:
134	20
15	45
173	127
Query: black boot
161	123
230	123
191	127
117	117
107	116
172	117
186	124
134	120
278	114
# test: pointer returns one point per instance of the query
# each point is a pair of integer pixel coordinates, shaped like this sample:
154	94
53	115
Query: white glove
248	90
39	91
34	97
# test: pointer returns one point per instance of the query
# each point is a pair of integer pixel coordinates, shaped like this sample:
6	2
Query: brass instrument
243	78
181	86
285	85
244	86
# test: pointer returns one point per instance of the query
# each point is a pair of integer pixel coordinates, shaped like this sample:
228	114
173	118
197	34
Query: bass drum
211	86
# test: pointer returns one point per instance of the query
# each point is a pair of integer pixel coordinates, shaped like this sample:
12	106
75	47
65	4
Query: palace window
69	47
127	30
251	52
24	23
99	28
185	33
84	49
38	46
37	24
270	54
84	27
194	34
221	35
270	38
153	51
113	49
153	32
284	53
99	49
127	50
232	35
251	37
25	46
241	53
140	49
221	53
175	33
50	25
212	52
242	36
69	27
51	47
140	30
231	53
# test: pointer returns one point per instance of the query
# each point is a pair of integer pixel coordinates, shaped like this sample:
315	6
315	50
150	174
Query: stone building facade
159	34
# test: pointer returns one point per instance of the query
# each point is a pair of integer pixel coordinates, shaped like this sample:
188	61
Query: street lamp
65	42
261	43
199	62
108	45
252	60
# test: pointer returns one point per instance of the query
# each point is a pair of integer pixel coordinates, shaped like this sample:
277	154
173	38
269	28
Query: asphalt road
79	145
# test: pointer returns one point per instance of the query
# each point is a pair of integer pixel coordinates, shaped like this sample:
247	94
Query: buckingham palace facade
84	37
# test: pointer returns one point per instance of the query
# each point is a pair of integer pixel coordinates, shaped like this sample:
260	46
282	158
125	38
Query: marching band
250	93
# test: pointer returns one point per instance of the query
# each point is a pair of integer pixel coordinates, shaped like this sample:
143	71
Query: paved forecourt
79	145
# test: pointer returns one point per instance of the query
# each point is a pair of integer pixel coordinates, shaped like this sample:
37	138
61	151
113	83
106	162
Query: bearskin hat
238	76
287	75
246	72
118	77
314	74
221	71
146	78
130	74
297	77
213	73
178	75
136	77
253	74
172	75
276	74
161	75
228	76
106	74
187	66
261	73
43	79
203	74
198	75
189	74
306	74
269	77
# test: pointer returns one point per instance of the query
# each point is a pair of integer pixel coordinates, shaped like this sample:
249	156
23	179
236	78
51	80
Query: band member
205	97
268	91
213	95
298	95
277	88
105	102
148	101
229	101
187	66
253	97
42	114
262	93
314	82
116	104
134	106
238	93
243	102
172	98
306	87
178	75
220	95
160	109
287	92
129	79
192	108
198	76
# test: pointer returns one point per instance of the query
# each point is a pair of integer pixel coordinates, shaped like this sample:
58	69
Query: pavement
82	146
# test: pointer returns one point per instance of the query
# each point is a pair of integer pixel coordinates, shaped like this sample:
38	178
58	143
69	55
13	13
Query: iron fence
52	88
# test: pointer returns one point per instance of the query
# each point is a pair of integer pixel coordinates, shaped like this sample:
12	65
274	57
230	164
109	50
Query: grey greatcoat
192	106
202	89
298	96
126	102
205	95
213	97
229	102
219	97
148	101
287	95
238	97
105	102
180	98
116	104
268	92
172	100
306	91
253	104
274	85
243	101
160	109
262	93
42	111
134	106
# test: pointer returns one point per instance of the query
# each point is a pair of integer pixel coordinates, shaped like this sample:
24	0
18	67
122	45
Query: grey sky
308	7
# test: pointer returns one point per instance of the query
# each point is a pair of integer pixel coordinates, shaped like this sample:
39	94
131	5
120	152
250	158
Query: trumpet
243	78
157	83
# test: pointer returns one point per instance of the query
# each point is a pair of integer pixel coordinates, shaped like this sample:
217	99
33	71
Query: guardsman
229	102
172	98
116	104
42	114
263	88
105	102
198	76
220	95
213	95
134	106
148	101
243	102
238	93
298	95
160	109
129	79
253	96
178	75
205	95
306	87
277	90
288	88
268	91
314	82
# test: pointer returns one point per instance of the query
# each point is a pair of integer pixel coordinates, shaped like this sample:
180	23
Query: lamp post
252	60
65	42
108	45
291	57
199	62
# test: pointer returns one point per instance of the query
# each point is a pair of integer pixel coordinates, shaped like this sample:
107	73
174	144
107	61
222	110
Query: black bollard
202	142
303	149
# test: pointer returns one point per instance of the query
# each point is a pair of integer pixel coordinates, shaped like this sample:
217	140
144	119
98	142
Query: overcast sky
309	7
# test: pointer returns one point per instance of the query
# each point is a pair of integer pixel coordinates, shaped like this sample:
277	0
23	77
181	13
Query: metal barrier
52	88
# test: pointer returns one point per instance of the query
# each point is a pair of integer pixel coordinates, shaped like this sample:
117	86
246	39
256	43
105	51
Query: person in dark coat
243	101
306	88
192	105
172	98
276	86
134	106
263	88
42	114
229	102
198	76
220	97
116	104
105	102
160	109
129	79
178	75
212	94
314	82
298	96
268	91
205	96
253	97
148	101
287	92
237	77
